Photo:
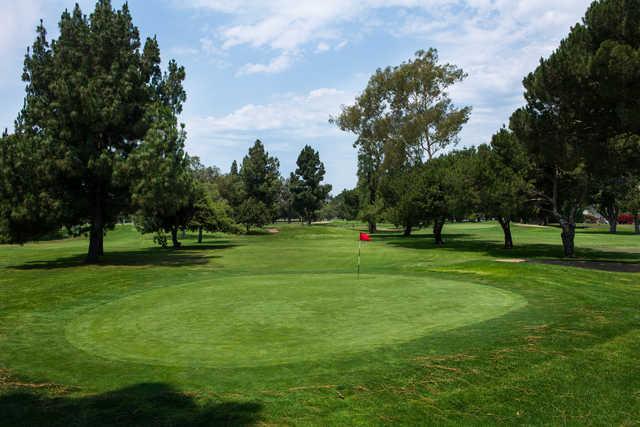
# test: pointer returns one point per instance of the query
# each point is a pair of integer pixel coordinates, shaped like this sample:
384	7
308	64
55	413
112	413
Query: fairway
269	320
275	328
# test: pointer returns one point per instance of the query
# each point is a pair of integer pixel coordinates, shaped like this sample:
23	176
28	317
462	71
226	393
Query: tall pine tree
83	115
309	194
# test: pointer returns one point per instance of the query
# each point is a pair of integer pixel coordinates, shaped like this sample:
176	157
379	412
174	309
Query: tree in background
631	202
261	187
425	121
368	120
502	180
253	213
231	188
404	198
165	191
211	214
347	204
403	117
286	208
309	194
83	115
582	117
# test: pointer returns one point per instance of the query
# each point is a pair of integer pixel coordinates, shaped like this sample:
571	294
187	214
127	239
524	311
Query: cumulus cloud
480	25
285	125
301	116
276	65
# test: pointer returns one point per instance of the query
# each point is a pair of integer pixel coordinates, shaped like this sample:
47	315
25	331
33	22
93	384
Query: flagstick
359	246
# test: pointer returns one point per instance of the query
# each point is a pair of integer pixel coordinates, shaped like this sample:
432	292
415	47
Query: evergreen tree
165	191
231	189
286	206
503	182
581	124
309	194
261	185
85	112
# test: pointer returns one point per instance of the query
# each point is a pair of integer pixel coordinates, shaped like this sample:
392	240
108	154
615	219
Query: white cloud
276	65
322	47
481	31
285	125
303	116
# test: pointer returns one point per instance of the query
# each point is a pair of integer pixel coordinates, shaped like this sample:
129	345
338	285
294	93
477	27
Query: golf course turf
275	328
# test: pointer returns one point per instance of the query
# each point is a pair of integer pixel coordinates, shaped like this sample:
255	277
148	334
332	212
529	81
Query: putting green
276	319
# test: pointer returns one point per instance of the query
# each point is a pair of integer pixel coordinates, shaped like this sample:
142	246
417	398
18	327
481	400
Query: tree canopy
82	118
309	194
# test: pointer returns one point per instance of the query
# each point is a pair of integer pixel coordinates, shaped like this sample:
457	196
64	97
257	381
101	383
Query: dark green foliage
582	116
231	187
261	186
502	184
83	115
309	194
403	117
211	214
211	211
164	189
253	213
405	195
286	207
27	211
347	204
630	202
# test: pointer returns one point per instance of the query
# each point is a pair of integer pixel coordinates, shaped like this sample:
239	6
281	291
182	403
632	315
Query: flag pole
359	246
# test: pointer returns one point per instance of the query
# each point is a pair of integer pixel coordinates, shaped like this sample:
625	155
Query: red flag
364	237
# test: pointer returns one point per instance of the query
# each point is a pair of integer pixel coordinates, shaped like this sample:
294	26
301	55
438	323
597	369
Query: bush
625	219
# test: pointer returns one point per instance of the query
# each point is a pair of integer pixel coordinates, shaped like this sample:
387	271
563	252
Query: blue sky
276	70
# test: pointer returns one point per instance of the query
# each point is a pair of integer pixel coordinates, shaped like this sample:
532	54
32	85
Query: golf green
265	320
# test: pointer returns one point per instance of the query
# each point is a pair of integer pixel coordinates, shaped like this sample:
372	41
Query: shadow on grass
608	233
196	254
138	405
540	251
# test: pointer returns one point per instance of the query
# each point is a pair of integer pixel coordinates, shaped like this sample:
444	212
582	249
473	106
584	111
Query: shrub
625	219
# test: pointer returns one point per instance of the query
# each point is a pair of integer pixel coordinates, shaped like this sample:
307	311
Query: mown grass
569	356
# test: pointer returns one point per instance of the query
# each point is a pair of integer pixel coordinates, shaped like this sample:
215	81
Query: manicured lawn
275	329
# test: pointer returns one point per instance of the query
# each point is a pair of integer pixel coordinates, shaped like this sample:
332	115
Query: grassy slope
569	356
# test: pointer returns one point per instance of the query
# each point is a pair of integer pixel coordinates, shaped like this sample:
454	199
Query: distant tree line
574	144
98	139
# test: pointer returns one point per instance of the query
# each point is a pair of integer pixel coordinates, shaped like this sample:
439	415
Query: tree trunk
96	235
505	223
611	212
372	227
437	231
96	240
613	224
568	238
407	230
184	232
174	238
200	234
636	223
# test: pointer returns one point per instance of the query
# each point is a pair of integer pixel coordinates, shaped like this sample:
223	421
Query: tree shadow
195	254
608	233
462	242
137	405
